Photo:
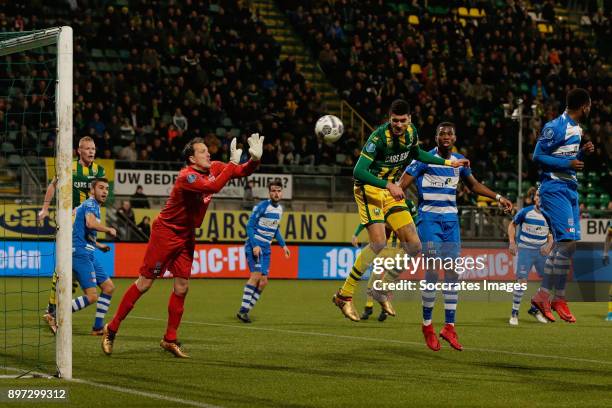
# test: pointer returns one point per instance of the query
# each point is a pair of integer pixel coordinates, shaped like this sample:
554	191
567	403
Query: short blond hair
86	139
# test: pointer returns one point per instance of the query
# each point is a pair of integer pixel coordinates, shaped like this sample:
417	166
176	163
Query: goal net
35	122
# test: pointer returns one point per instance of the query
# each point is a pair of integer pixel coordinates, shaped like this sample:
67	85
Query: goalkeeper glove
235	154
255	146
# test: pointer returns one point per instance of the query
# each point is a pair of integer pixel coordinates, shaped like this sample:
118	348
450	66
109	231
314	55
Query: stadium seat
463	12
227	122
412	19
500	185
593	177
604	199
592	199
220	131
415	69
580	176
96	53
235	132
14	160
7	147
475	13
512	185
111	53
124	54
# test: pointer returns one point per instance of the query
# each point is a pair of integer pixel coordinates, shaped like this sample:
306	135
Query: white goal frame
62	36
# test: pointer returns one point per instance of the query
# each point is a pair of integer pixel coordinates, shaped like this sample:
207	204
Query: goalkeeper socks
450	305
247	296
175	313
362	263
79	303
516	301
255	298
101	309
130	298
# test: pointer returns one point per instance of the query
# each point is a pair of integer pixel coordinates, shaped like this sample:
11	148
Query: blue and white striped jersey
557	146
533	231
264	224
83	237
437	187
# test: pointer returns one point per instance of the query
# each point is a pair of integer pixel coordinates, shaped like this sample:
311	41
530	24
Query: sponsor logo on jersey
397	158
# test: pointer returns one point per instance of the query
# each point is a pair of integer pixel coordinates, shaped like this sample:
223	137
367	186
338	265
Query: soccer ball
330	128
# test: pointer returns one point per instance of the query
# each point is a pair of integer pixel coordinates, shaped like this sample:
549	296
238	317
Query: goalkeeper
172	241
387	152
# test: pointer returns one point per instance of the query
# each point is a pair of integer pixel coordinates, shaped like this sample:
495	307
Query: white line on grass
123	390
383	340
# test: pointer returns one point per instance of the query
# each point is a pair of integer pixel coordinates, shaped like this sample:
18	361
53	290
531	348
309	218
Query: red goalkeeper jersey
185	209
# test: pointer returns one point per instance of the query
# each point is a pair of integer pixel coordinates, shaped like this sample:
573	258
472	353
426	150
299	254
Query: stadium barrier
320	262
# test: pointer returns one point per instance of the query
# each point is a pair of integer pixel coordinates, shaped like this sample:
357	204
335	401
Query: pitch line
122	390
414	343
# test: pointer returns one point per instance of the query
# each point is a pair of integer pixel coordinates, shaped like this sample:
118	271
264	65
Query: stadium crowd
461	71
148	77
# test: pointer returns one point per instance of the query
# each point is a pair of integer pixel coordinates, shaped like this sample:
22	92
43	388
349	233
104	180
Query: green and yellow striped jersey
390	154
81	180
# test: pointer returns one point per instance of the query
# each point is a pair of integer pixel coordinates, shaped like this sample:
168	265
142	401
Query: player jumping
559	155
262	228
386	153
530	230
172	242
392	245
87	269
439	224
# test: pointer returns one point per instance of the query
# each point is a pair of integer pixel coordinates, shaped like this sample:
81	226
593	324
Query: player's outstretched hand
396	191
588	147
461	162
235	154
287	252
255	146
42	214
577	164
103	247
505	204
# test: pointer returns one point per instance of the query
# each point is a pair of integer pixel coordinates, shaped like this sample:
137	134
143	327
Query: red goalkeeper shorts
167	251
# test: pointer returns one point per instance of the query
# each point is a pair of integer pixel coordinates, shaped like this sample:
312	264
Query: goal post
20	43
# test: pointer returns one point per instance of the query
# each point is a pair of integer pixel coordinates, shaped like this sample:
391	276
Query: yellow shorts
377	205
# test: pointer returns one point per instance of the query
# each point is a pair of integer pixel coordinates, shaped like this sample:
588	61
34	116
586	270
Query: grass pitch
300	352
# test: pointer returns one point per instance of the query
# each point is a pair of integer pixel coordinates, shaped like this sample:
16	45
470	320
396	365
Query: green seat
124	54
604	199
512	185
499	184
580	176
111	53
96	53
593	177
592	199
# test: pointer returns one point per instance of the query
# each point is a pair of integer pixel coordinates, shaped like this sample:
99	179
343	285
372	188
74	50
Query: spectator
145	225
128	153
126	211
180	121
139	199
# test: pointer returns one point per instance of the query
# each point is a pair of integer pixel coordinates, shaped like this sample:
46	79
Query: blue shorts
261	264
525	259
87	269
559	205
440	238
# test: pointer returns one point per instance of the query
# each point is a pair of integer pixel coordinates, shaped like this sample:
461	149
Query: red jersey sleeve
242	170
192	181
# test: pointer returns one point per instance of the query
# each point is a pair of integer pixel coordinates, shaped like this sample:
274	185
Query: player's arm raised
44	212
478	188
92	223
201	184
426	157
255	150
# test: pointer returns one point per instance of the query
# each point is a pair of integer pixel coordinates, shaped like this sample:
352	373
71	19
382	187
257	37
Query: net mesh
27	247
